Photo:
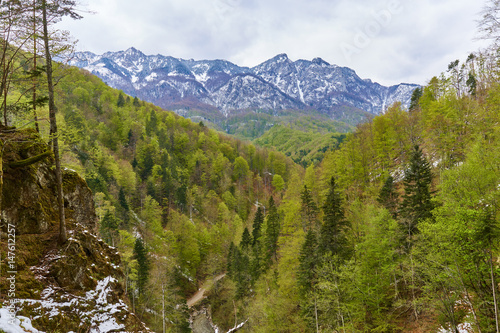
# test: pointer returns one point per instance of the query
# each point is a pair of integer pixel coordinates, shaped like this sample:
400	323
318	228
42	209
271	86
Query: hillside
392	229
183	191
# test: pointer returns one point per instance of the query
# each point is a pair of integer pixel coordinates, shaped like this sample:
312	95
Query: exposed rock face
78	200
74	287
29	193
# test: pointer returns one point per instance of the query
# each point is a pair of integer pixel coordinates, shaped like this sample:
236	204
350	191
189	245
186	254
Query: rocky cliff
75	287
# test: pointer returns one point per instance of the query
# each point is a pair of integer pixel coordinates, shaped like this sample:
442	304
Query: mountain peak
319	61
133	51
276	84
281	56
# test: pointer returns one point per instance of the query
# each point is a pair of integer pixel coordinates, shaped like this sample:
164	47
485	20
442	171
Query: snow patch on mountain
276	84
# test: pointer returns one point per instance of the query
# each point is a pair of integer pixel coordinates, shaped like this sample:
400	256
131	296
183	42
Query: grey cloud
415	42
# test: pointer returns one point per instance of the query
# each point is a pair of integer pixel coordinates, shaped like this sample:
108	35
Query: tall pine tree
332	238
417	202
257	226
141	255
246	240
309	209
272	231
308	259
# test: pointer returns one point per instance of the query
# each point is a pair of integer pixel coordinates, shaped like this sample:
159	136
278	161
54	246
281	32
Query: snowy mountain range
222	87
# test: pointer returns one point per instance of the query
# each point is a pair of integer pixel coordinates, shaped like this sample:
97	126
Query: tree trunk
53	127
316	314
494	287
2	144
34	68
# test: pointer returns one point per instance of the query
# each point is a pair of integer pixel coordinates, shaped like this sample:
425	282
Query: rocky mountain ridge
219	86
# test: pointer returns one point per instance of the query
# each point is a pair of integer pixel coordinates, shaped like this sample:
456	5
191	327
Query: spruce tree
417	202
309	209
246	239
141	255
136	102
332	238
308	259
257	225
272	231
240	272
122	200
121	101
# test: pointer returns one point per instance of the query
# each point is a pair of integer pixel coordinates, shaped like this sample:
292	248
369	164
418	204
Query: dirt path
200	294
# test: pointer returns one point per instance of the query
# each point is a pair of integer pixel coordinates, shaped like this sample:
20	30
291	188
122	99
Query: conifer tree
308	259
136	102
417	202
141	255
415	98
246	239
332	238
309	209
257	225
272	231
240	272
121	101
122	200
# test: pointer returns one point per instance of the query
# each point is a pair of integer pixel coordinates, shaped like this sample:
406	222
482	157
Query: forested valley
392	227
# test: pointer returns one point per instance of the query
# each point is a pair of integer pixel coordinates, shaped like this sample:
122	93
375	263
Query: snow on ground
462	328
93	308
18	324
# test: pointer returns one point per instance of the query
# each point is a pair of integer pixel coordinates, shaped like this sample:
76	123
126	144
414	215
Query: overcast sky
388	41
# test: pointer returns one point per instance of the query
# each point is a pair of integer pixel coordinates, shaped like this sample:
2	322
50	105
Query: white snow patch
151	77
301	93
15	324
462	328
94	307
201	77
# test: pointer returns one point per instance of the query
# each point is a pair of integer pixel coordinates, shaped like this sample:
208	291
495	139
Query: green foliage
309	210
121	101
417	202
141	255
246	240
191	193
388	197
305	140
309	262
332	237
272	231
278	183
109	228
257	226
415	98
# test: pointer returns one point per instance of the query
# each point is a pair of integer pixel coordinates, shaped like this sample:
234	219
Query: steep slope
75	287
277	84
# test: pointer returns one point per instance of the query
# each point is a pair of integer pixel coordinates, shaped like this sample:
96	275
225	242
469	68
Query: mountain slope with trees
392	228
